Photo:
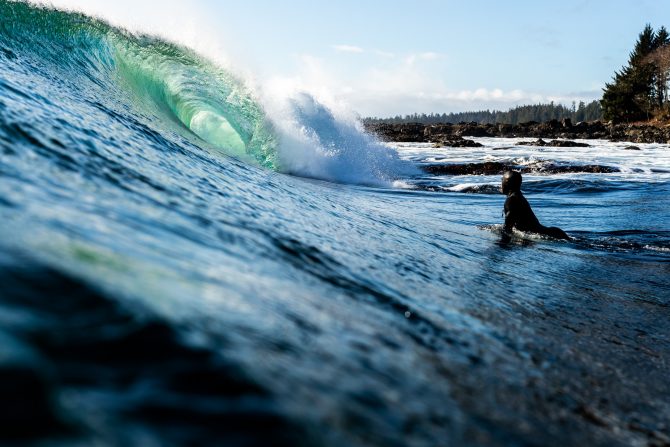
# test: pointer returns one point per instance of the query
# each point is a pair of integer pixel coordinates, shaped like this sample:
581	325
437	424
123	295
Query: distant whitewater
187	261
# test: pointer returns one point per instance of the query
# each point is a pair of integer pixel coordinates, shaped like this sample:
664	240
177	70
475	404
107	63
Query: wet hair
511	181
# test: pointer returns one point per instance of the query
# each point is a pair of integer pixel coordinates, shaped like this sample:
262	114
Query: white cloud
348	49
425	56
429	56
386	87
385	54
394	102
496	94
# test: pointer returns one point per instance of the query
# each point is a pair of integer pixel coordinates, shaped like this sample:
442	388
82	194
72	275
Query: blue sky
385	58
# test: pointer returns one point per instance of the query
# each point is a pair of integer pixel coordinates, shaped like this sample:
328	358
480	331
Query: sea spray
320	142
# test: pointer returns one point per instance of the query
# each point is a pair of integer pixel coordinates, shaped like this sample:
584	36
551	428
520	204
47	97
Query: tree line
521	114
639	91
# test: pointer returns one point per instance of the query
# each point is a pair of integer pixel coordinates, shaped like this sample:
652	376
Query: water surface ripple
165	282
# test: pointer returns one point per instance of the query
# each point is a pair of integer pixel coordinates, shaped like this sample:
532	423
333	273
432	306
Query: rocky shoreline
498	168
454	134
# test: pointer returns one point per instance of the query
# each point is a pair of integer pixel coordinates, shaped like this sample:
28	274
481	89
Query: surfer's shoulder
514	201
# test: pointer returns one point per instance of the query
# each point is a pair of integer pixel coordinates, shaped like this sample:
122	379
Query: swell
147	73
654	244
626	241
105	346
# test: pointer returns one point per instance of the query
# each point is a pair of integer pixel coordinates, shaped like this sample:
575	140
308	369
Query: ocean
183	262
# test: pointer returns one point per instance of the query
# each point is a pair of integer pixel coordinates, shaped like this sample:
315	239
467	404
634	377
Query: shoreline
448	134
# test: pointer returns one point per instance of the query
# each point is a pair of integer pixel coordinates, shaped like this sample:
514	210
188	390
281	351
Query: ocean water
182	264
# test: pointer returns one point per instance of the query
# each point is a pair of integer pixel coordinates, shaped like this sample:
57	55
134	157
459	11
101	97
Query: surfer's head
511	182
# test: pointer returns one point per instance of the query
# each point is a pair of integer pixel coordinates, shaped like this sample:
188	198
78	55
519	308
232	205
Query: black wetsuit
519	215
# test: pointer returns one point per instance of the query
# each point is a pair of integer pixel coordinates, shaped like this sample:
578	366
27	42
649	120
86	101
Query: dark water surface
157	291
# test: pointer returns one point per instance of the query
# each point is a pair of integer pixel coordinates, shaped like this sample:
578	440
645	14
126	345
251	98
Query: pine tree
659	58
631	95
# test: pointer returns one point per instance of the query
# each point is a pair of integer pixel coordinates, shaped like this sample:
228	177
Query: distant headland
447	134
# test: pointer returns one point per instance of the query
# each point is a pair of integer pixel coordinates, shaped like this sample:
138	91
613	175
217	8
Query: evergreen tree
593	111
660	61
634	90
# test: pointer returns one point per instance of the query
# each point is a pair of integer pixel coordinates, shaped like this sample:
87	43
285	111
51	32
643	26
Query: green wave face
206	99
166	79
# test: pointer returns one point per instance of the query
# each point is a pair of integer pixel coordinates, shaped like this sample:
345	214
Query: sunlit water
364	301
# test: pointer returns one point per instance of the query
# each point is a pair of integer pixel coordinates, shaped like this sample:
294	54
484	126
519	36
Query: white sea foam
329	143
655	248
650	164
473	187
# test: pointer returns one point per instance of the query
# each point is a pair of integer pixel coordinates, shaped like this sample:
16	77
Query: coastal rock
637	133
538	142
411	132
553	143
498	168
486	168
456	141
474	130
438	130
504	130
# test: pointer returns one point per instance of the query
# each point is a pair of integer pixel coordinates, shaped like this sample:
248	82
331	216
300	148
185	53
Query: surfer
518	213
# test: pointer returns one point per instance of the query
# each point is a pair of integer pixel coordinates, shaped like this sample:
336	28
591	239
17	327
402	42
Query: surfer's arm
510	214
